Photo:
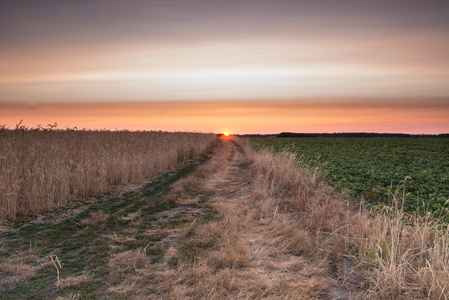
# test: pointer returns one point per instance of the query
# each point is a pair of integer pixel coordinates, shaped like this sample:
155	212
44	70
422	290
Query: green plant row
376	170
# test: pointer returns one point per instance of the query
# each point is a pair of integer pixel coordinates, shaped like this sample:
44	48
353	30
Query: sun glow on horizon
408	115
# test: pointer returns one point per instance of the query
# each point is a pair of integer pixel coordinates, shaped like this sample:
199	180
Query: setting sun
226	134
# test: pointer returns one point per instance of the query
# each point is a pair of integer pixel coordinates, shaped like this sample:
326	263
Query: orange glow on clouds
426	115
240	66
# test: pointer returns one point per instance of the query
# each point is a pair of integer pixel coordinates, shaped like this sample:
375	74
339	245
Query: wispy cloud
182	52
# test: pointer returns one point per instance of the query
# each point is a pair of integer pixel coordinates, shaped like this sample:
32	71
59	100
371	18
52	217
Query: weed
203	199
189	251
176	223
207	218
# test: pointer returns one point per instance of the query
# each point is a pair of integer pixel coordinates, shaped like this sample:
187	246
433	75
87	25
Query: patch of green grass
176	223
155	251
157	254
114	221
203	199
189	251
155	239
122	297
34	288
135	244
207	218
174	262
86	290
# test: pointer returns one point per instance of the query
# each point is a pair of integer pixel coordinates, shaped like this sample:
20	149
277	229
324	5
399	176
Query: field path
277	273
194	233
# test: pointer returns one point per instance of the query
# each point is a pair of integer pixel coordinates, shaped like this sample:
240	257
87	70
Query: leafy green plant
373	169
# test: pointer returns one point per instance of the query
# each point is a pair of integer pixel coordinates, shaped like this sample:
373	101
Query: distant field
373	169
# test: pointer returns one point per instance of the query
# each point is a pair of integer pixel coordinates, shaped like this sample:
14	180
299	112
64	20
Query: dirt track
202	236
267	262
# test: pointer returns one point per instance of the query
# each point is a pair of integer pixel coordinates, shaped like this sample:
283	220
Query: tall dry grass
395	255
44	168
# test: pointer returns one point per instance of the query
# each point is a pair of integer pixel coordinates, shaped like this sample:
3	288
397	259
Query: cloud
154	50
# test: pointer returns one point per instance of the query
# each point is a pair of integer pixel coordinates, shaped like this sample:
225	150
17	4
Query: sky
244	66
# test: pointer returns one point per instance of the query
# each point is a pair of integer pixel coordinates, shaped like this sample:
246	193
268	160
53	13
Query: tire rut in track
277	271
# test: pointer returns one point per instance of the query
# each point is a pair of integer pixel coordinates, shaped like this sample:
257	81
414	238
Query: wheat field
44	168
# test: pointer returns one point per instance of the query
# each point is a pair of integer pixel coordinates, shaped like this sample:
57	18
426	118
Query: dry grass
68	297
278	232
120	239
403	255
123	288
73	281
19	267
129	261
397	255
254	256
95	217
41	169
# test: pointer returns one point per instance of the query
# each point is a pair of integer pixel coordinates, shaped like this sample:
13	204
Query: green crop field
374	169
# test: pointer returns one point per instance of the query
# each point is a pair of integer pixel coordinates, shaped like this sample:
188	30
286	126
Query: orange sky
244	66
315	115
